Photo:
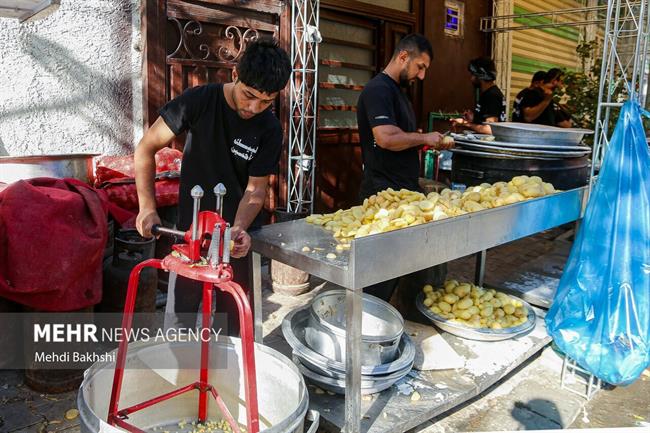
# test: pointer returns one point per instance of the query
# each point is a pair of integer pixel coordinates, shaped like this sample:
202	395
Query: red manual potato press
215	272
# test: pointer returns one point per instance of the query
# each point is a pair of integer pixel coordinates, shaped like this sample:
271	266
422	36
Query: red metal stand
188	264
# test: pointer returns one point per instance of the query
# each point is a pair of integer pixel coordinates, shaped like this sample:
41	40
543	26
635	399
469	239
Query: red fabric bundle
115	174
52	238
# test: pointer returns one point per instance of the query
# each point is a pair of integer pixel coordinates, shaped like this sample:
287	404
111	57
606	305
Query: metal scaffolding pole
305	38
624	66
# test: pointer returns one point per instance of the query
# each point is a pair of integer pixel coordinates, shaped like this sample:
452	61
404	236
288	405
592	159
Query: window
454	15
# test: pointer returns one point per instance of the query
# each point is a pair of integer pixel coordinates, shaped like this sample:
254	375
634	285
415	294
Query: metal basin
530	133
381	328
293	329
77	166
282	394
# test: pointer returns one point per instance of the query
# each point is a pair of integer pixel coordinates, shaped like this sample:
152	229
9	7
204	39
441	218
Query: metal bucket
381	328
78	166
282	393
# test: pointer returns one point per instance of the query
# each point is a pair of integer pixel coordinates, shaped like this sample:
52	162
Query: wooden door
194	42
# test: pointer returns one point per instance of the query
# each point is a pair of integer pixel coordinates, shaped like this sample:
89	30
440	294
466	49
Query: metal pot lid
484	139
480	154
293	329
524	152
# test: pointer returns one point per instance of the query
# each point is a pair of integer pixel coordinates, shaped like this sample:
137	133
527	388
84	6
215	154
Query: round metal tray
338	386
531	153
480	334
493	155
480	141
293	329
537	134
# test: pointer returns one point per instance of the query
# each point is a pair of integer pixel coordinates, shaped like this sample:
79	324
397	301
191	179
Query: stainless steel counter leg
353	311
257	296
479	271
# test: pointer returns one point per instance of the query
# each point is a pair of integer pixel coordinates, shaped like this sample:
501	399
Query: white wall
71	82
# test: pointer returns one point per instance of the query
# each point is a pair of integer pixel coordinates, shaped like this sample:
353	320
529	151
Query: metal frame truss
550	19
624	66
303	105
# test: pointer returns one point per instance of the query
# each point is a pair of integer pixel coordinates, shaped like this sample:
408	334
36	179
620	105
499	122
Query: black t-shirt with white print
382	102
220	147
491	103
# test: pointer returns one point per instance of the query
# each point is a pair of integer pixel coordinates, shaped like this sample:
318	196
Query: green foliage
580	92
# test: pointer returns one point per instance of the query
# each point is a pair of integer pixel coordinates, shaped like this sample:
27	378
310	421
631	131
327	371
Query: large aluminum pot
381	328
282	393
78	166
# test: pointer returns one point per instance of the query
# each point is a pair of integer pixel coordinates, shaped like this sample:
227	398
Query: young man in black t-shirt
388	131
233	138
536	82
491	104
537	106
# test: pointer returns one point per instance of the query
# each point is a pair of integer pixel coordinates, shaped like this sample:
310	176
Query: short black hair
264	66
483	68
553	74
538	76
414	44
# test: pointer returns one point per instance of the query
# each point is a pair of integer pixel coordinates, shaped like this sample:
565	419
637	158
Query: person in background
388	131
233	138
538	106
535	83
491	105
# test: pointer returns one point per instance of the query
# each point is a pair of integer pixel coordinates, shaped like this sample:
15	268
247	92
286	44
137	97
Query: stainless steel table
384	256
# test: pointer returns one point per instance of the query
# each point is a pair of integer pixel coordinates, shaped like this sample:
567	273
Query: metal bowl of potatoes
480	334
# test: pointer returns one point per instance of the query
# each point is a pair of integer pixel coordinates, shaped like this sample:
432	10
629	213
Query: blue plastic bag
600	316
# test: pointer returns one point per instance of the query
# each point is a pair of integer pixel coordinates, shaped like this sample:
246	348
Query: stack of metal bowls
555	154
316	334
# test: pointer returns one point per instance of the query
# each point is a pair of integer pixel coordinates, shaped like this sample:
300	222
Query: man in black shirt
233	138
491	105
387	126
388	131
537	106
536	82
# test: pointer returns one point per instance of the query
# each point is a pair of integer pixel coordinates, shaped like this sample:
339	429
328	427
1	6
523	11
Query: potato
532	190
548	188
474	310
444	307
486	312
450	298
509	309
472	196
435	309
462	290
486	297
464	314
519	180
428	288
427	302
521	312
464	304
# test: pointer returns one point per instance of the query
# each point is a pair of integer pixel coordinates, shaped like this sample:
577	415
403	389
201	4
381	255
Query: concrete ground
528	398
